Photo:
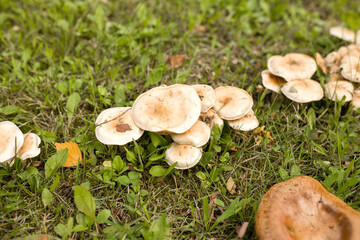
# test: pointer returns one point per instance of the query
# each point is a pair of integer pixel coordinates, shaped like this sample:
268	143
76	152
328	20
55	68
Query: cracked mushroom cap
115	126
301	208
272	82
186	156
169	109
211	118
336	90
232	102
303	91
30	148
197	136
292	66
343	33
11	140
207	96
246	123
350	68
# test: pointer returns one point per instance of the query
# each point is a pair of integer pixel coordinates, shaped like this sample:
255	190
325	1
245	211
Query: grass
63	62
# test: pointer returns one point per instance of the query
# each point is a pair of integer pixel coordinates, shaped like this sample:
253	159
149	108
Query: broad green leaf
11	109
84	201
118	164
72	103
55	162
123	180
156	75
180	78
283	173
157	171
234	208
79	228
47	197
201	175
61	230
103	215
159	229
157	140
295	171
329	180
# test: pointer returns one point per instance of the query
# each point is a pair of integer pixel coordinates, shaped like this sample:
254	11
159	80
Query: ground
63	62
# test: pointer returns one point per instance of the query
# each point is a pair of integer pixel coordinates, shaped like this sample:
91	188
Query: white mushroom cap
332	61
292	66
9	135
271	82
211	118
172	109
343	33
186	156
350	68
115	126
356	99
197	136
349	50
207	96
303	91
30	148
336	90
246	123
232	102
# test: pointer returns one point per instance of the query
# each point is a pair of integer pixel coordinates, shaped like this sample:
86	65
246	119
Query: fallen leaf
242	230
74	154
123	127
43	237
230	186
261	133
199	29
177	60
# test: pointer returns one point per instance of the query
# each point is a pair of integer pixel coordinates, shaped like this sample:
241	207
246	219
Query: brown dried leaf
177	60
43	237
123	127
199	29
230	186
242	230
74	154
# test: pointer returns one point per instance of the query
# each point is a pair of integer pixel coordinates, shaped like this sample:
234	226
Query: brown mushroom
302	209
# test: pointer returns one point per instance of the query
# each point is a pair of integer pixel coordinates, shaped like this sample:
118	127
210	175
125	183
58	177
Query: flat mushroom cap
303	91
30	148
172	109
301	208
115	126
207	96
211	118
343	33
336	90
186	156
271	82
197	136
9	135
246	123
292	66
350	68
232	102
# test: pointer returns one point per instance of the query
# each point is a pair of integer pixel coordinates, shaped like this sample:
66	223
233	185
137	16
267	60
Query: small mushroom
356	99
246	123
272	82
321	62
336	90
207	96
186	156
30	148
232	102
303	91
344	34
211	118
292	66
197	136
350	68
301	208
11	140
167	109
115	126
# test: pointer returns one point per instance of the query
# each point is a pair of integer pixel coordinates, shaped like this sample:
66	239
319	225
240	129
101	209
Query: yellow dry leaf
261	133
230	186
177	60
74	154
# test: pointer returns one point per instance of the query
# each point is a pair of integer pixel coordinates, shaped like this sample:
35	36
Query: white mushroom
186	156
350	68
356	99
115	126
345	34
246	123
197	136
30	148
272	82
11	140
303	91
336	90
207	96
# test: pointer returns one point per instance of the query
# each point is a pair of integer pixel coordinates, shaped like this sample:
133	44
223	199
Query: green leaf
156	75
84	201
283	173
329	180
79	228
11	109
47	197
123	180
219	202
180	78
234	208
61	230
295	171
157	140
72	103
103	215
159	229
55	162
99	17
118	164
157	171
201	175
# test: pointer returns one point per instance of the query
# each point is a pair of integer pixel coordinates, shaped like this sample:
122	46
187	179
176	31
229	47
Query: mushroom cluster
343	70
291	74
14	143
301	208
186	113
346	34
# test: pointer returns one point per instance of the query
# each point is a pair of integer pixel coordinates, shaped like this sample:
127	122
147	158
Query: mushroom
232	102
350	68
345	34
336	90
321	62
11	140
186	156
197	136
303	91
30	148
207	96
332	61
211	118
272	82
115	126
292	66
167	109
356	99
301	208
246	123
